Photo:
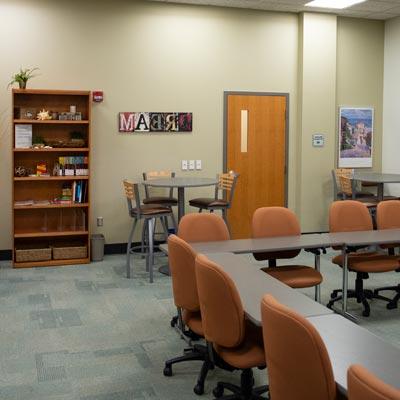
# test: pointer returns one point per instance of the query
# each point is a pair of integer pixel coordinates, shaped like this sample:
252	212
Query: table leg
151	248
344	281
317	265
353	189
181	203
380	191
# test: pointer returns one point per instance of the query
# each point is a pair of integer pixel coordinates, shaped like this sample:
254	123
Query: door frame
225	133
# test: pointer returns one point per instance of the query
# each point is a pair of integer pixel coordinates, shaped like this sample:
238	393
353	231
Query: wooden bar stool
149	214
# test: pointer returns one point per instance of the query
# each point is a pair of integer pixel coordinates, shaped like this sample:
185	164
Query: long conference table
346	342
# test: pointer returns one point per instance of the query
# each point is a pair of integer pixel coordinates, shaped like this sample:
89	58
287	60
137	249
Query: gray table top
366	237
253	284
181	182
239	246
376	177
348	343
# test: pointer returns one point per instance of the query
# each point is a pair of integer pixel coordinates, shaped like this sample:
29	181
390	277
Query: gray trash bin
97	247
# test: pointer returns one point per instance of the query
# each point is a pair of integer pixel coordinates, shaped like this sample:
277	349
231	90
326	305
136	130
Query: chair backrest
348	216
362	385
220	305
202	227
227	183
181	259
388	214
131	191
342	182
274	222
298	362
157	175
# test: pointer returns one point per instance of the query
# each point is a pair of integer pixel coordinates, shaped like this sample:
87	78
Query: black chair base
246	390
362	295
197	352
392	303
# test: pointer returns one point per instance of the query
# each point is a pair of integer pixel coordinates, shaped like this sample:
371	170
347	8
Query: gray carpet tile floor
86	332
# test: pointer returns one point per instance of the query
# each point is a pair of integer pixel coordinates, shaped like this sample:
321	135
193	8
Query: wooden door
261	162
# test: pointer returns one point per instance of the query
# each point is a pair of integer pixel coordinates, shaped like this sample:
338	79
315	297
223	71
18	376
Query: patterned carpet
86	332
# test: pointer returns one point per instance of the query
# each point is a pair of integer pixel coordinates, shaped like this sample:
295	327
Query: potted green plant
22	77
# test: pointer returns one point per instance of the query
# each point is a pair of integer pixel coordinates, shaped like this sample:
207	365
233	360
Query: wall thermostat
318	140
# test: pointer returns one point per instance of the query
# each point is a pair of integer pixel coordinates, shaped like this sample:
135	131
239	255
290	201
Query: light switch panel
191	165
184	165
198	165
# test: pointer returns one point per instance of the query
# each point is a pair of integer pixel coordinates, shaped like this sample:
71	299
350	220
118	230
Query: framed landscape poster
356	131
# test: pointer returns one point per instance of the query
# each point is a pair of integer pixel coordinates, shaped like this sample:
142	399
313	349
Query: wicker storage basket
27	254
69	252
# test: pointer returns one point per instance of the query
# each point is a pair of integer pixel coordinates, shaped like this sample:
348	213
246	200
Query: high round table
376	177
181	184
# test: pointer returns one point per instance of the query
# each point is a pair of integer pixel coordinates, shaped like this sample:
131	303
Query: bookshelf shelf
54	150
50	122
51	178
44	223
29	234
45	206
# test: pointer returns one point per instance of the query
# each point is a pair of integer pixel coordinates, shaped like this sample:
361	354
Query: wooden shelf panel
52	178
53	92
30	234
53	150
50	121
38	206
51	263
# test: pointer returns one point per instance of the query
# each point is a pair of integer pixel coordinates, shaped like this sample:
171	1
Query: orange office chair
192	228
236	341
275	222
298	362
362	385
388	217
182	263
348	216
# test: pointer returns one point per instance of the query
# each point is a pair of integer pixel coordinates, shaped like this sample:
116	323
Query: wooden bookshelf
49	223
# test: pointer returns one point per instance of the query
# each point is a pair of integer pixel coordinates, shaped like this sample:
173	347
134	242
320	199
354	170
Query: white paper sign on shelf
23	136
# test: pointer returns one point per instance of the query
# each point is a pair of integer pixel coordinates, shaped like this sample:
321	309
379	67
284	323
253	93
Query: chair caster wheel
199	389
391	306
330	304
366	313
174	321
218	391
167	370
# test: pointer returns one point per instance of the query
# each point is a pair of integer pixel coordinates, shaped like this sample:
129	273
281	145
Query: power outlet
184	165
100	221
198	165
191	165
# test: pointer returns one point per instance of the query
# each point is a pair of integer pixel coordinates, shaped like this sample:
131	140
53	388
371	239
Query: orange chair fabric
363	385
349	216
298	362
388	214
202	228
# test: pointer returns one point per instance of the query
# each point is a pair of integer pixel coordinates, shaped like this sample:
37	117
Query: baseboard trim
5	255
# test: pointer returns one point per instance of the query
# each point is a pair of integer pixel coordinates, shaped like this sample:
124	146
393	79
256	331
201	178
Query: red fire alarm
98	96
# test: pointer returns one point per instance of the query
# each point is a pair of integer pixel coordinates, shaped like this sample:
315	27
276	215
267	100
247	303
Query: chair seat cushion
369	262
205	202
193	320
295	276
161	200
249	354
151	209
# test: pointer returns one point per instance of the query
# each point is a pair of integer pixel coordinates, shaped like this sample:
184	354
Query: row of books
73	165
79	191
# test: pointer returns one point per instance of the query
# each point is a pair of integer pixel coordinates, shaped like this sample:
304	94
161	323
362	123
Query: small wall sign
318	140
98	96
155	122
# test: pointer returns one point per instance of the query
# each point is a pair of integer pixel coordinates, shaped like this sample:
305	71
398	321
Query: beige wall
150	56
360	58
391	103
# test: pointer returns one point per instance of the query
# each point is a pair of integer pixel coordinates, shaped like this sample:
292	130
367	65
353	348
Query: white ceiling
371	9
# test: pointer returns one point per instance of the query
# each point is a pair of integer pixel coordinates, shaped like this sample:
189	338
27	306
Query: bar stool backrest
227	184
157	175
131	190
